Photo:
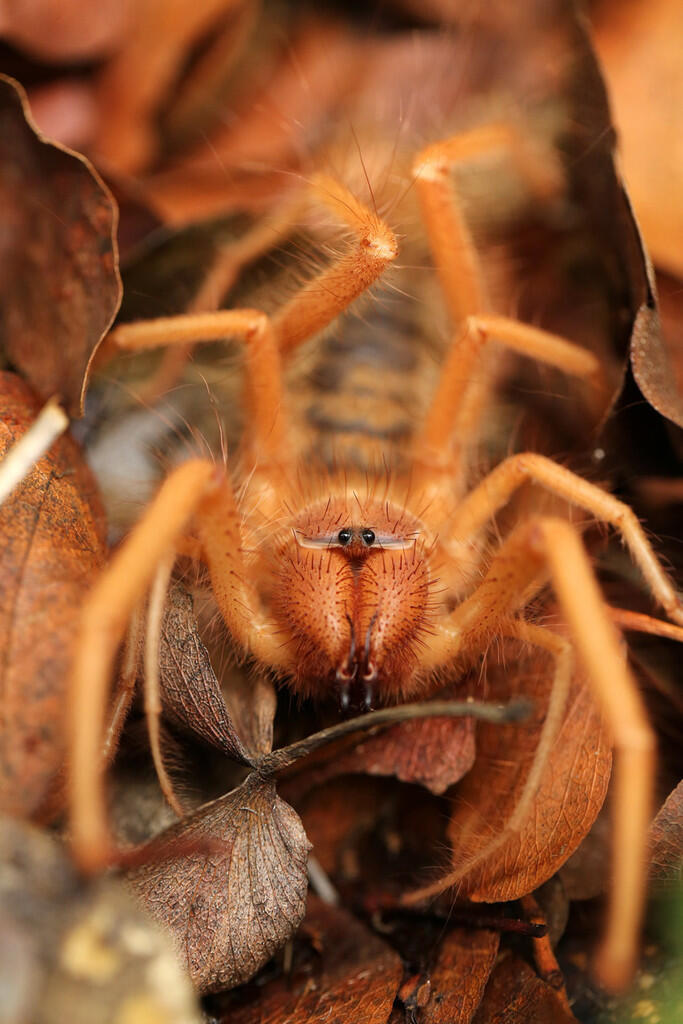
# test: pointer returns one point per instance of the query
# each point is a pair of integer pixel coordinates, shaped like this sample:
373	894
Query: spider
375	586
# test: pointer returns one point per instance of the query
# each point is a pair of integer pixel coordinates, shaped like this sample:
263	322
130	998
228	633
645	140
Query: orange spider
376	586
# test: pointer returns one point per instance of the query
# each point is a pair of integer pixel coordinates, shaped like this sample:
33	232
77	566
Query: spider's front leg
198	492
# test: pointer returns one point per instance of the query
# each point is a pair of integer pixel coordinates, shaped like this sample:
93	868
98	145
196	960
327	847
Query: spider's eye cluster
345	536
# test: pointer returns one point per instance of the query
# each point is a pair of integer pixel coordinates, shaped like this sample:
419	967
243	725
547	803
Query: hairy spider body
350	554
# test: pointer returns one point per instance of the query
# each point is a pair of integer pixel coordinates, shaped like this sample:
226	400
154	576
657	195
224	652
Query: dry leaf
190	692
459	976
134	84
515	995
59	281
355	977
51	547
570	796
640	45
433	752
652	367
230	910
666	841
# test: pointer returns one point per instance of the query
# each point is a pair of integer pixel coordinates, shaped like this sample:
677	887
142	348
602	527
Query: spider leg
314	306
347	277
266	431
470	369
453	249
454	413
554	545
188	492
495	490
310	309
155	611
228	263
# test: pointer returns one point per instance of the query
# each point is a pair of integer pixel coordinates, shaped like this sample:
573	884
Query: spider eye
344	537
368	537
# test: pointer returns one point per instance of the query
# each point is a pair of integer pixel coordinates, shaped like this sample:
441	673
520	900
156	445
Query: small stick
544	955
320	882
515	711
22	456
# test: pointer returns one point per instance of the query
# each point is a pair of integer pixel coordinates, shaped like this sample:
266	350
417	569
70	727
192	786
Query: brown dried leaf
459	976
251	700
190	692
652	367
670	292
355	977
433	752
76	951
570	796
59	280
51	547
229	911
666	841
515	995
162	33
640	45
63	30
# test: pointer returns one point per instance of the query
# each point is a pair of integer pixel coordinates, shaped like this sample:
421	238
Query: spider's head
353	594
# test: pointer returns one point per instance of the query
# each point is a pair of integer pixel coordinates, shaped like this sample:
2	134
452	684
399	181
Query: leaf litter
252	837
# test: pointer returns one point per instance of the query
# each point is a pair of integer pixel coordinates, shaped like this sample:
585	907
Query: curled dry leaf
514	993
354	977
459	976
666	841
59	281
79	952
51	546
571	793
190	692
230	910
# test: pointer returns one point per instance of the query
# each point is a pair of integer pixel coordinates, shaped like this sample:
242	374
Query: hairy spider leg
439	466
263	392
470	370
229	261
549	544
456	410
198	490
155	612
311	308
454	252
104	617
496	489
